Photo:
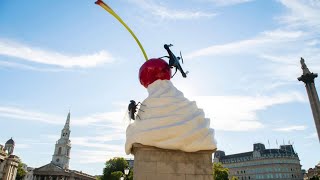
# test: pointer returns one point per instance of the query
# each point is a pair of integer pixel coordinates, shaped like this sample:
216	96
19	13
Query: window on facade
59	151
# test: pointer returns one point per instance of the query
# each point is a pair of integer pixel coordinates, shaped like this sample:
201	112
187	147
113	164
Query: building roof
10	141
52	169
284	150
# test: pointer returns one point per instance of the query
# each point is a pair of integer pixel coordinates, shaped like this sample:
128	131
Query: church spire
67	125
61	155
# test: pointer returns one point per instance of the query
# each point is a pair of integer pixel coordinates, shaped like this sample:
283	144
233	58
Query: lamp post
126	172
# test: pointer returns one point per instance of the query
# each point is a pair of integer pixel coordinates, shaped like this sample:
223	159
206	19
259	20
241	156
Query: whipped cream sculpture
167	119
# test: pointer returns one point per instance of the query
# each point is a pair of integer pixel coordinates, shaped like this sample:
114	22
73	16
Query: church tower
61	153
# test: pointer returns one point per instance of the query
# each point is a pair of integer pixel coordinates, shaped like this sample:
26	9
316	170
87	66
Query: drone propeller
181	57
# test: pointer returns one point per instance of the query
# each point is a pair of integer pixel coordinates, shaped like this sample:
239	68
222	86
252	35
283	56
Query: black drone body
174	61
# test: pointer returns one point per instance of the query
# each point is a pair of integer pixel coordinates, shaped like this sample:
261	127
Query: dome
10	141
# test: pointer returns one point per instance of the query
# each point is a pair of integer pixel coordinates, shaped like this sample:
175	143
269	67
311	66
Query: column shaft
315	105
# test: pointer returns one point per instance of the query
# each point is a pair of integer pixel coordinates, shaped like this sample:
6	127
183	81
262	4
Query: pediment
49	167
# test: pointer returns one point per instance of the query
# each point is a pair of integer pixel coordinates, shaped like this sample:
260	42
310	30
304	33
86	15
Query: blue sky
242	55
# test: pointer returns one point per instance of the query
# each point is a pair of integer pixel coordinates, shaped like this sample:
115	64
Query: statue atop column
304	67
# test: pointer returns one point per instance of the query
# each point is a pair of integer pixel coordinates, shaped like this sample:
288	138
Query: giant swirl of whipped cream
168	120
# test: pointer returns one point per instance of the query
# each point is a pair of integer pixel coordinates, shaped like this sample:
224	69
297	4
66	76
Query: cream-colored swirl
168	120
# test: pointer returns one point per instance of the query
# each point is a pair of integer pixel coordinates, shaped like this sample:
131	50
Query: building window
59	151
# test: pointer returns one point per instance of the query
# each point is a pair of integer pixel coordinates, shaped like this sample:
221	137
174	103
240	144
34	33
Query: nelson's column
308	78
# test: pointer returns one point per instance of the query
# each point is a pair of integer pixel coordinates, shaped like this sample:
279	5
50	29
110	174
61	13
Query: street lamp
126	171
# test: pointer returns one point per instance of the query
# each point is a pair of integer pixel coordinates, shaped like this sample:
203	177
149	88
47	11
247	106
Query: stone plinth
151	163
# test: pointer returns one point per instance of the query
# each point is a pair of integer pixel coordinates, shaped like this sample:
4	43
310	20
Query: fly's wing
126	117
141	110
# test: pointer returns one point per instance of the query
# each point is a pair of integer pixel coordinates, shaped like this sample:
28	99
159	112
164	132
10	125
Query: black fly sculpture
174	61
132	109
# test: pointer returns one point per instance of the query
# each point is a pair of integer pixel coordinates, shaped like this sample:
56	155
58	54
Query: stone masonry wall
151	163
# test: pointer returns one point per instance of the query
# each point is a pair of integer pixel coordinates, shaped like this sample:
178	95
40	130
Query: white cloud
229	2
281	48
172	14
291	128
22	146
29	115
266	42
302	13
27	67
97	156
312	136
239	113
113	120
41	56
101	140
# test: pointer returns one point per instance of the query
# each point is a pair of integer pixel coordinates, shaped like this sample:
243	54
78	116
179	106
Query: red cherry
152	70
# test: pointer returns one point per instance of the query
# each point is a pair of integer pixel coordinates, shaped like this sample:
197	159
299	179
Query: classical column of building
11	168
308	78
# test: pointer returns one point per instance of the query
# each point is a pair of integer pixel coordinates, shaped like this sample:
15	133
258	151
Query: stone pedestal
151	163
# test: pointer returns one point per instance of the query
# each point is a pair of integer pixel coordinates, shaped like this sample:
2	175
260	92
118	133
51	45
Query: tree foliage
20	172
234	178
113	168
219	172
130	175
315	178
116	175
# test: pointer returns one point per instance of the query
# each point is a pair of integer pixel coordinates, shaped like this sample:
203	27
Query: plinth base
151	163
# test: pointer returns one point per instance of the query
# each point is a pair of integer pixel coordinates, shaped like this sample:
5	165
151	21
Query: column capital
308	78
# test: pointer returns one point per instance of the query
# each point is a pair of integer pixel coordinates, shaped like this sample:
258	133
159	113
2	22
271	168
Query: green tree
219	172
112	166
234	178
20	172
130	175
315	178
98	177
116	175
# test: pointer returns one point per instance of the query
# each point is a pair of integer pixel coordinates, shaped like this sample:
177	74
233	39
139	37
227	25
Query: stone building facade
8	162
29	174
262	163
58	168
313	172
